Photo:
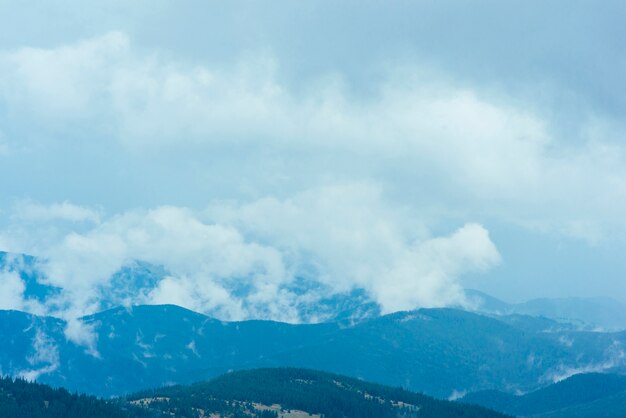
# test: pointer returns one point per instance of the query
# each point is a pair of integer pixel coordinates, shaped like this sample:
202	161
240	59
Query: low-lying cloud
242	260
44	358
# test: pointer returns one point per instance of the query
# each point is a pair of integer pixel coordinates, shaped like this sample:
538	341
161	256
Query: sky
409	149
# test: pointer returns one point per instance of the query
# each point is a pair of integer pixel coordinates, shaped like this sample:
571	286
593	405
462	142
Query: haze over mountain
602	313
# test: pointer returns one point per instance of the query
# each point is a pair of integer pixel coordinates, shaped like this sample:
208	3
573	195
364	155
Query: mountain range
590	313
441	352
134	281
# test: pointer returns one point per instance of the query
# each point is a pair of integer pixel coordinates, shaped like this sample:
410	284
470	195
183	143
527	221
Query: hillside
22	399
288	392
582	395
264	393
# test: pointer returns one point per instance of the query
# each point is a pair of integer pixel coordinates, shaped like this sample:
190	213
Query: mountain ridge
436	351
578	395
132	284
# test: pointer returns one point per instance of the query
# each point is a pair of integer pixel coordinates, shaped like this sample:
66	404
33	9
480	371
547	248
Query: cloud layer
243	260
240	182
415	129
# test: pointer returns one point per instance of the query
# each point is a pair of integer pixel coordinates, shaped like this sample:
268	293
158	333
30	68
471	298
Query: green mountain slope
261	393
22	399
288	392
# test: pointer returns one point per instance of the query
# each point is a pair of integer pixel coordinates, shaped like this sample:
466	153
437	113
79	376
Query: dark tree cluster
22	399
242	394
320	393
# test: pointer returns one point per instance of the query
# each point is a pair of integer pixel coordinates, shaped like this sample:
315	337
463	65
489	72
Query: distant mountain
446	351
288	392
584	395
441	352
605	313
436	351
142	347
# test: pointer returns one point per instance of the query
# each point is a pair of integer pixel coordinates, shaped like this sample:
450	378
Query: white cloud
484	152
81	333
13	287
198	295
151	102
441	154
427	274
347	237
62	82
11	290
239	260
65	211
456	394
204	257
614	357
45	357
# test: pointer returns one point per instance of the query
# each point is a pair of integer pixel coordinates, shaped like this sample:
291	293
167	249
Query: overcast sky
407	148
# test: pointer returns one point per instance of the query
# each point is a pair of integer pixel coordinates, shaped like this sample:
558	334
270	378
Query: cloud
11	290
613	357
61	82
347	237
486	152
45	357
286	168
81	334
151	102
65	211
427	274
456	395
238	260
205	258
13	286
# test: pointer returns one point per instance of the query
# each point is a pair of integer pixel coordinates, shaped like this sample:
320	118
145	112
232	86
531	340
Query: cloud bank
241	184
494	154
244	260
